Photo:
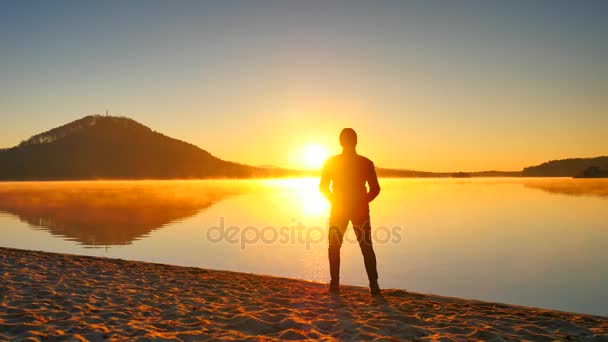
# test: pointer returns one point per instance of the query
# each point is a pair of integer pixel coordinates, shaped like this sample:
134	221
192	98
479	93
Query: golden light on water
302	195
312	202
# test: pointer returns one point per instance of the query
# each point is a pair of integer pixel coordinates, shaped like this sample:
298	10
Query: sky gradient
428	85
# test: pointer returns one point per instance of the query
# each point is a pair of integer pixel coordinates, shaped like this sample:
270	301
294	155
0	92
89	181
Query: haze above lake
529	241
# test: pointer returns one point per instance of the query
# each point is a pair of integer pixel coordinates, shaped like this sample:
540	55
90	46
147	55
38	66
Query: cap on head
348	137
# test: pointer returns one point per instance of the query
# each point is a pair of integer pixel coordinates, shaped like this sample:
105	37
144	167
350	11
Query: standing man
347	174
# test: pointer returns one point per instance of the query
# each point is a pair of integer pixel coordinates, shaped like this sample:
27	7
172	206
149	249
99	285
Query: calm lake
534	242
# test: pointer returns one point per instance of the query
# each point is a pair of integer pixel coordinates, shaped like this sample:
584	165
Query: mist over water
536	242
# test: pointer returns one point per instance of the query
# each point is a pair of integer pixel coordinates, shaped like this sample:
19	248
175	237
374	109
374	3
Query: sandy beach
49	296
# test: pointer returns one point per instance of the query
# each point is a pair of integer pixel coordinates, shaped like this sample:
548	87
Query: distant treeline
109	147
397	173
574	167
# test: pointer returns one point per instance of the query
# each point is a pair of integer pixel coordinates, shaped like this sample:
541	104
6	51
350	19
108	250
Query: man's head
348	138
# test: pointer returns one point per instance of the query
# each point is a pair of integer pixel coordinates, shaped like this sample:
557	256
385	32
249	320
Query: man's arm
325	182
372	182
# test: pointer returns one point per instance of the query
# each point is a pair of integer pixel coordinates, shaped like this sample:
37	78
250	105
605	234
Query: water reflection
570	186
513	240
300	195
109	213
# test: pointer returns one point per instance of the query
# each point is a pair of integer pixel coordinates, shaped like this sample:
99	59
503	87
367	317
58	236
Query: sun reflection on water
301	194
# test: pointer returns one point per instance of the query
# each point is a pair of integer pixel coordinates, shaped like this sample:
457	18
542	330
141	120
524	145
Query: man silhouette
347	174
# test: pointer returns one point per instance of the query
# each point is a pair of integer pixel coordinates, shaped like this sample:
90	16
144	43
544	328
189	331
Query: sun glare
300	196
313	156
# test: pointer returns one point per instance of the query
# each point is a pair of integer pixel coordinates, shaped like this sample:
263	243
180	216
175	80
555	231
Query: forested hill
108	147
566	167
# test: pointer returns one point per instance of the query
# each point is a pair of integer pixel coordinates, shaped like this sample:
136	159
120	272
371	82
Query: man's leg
337	228
363	230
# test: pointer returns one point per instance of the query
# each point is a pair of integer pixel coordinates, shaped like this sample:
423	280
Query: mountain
109	147
565	167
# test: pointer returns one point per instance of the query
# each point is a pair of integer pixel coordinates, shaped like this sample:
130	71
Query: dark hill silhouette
593	172
565	167
108	147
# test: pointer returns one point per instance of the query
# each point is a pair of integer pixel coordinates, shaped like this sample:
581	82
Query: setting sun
313	156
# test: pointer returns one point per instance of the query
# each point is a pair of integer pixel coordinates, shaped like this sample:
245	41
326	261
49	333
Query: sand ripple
47	296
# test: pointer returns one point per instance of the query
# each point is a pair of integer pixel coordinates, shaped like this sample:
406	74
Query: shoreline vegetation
116	147
70	297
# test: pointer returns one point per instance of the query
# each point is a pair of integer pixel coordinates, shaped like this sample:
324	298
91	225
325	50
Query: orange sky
477	87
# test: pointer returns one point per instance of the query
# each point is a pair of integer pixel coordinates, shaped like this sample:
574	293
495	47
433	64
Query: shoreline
69	297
